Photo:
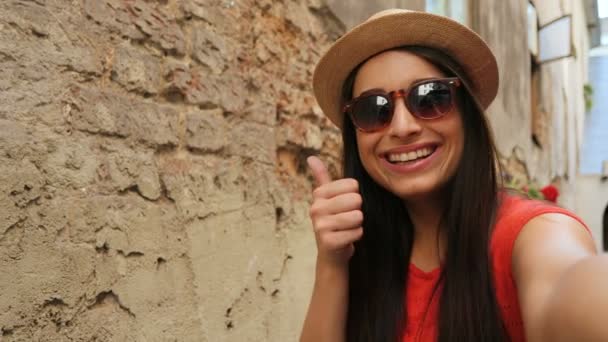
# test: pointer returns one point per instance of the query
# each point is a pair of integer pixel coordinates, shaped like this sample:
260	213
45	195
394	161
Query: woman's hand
336	216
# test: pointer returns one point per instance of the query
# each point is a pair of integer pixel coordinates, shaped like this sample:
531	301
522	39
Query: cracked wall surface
152	174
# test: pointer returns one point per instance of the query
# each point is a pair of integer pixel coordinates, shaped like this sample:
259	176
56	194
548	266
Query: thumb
319	171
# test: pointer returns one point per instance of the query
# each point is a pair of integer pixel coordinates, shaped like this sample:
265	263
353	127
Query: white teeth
408	156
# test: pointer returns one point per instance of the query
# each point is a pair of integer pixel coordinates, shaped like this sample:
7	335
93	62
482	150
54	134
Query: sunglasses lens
371	113
431	100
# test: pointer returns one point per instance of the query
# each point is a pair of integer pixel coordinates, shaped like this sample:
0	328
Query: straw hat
395	28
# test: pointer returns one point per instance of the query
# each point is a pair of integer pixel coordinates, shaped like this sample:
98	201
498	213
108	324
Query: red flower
550	192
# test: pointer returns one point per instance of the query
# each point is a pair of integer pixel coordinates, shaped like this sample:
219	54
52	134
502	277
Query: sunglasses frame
451	82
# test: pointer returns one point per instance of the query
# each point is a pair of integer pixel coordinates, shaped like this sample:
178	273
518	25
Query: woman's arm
551	270
579	304
336	219
326	317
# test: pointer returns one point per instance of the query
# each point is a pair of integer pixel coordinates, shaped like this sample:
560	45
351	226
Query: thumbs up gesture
336	215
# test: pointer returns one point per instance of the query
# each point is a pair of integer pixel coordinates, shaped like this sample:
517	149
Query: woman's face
443	137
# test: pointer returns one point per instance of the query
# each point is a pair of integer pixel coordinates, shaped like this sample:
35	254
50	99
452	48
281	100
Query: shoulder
524	225
548	244
516	212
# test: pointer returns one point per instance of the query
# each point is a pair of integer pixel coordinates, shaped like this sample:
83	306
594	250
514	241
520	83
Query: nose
403	124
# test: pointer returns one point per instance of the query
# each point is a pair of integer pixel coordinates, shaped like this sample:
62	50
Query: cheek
456	144
366	144
362	148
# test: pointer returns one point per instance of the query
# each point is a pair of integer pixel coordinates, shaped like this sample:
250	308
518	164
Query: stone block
221	14
301	133
207	185
136	69
296	12
124	169
206	130
252	140
21	186
212	49
48	34
102	112
139	20
70	163
197	86
148	183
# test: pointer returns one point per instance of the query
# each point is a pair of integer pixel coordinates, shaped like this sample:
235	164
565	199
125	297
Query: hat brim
404	28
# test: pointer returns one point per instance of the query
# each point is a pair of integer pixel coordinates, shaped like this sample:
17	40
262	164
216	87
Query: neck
428	243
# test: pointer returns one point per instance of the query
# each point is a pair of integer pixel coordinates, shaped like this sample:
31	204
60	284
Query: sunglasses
426	99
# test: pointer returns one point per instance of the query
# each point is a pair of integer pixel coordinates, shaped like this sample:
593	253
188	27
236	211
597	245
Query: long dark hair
468	309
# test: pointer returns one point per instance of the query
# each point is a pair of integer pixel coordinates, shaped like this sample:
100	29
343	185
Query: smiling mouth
410	157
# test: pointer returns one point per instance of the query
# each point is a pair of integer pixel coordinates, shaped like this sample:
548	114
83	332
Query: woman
417	242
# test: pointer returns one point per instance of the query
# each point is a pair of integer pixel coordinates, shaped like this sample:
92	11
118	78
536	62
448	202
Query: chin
411	191
417	188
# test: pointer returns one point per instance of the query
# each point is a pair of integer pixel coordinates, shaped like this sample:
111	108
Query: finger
343	238
319	171
335	205
335	188
342	221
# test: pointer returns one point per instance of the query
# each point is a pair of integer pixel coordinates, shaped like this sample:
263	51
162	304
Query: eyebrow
375	90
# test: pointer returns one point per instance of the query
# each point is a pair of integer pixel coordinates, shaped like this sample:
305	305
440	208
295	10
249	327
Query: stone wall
352	13
152	172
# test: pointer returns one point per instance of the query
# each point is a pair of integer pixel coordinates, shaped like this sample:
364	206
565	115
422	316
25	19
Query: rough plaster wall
151	168
562	83
576	77
591	208
352	13
503	25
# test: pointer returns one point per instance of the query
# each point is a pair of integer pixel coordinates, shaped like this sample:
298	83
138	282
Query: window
455	9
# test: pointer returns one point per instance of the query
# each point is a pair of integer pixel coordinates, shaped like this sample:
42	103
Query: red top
513	214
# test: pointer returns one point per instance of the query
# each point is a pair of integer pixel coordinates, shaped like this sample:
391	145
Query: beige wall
563	82
591	201
352	13
604	31
152	185
503	25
